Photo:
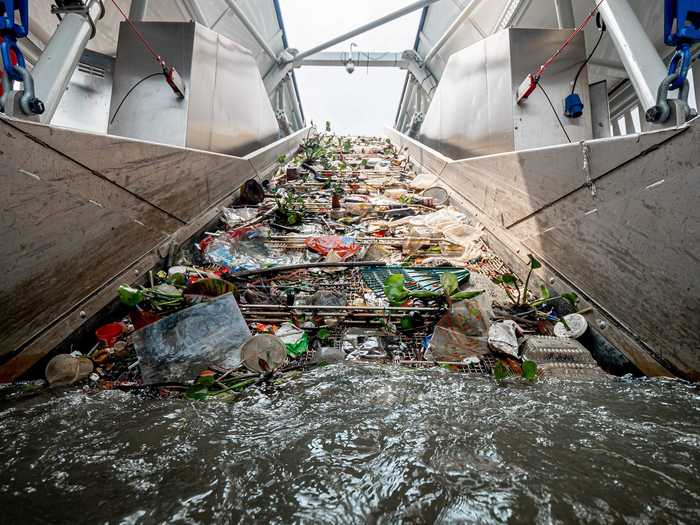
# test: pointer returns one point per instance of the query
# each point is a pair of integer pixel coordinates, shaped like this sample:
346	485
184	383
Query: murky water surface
359	444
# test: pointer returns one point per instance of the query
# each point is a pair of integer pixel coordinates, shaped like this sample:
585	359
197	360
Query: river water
359	444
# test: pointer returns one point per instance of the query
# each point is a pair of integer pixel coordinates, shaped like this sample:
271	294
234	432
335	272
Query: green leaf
406	323
130	296
323	335
282	159
534	263
449	282
205	380
506	278
463	296
395	290
529	370
426	295
571	298
500	372
197	393
544	293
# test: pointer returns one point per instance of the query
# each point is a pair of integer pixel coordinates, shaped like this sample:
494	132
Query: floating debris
348	253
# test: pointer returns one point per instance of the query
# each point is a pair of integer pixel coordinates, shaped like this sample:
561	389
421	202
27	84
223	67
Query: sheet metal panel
225	109
80	211
630	251
89	87
151	111
474	111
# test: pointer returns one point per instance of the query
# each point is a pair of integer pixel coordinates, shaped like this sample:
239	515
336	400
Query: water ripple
359	444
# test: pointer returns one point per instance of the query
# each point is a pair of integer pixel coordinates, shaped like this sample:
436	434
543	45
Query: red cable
141	37
566	43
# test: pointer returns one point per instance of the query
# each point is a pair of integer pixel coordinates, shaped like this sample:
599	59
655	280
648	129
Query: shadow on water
358	444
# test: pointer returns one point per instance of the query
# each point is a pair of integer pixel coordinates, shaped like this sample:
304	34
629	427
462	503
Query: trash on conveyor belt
348	254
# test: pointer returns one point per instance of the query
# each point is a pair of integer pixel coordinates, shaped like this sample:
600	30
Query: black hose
129	93
603	28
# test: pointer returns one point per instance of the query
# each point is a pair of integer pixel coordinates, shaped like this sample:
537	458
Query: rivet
136	272
83	314
602	324
551	280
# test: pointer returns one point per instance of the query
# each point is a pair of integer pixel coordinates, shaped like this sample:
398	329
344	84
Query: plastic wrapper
423	181
240	251
344	247
179	346
503	337
461	335
295	340
236	216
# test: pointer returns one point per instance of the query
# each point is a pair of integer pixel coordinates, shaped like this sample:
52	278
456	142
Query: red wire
566	43
138	34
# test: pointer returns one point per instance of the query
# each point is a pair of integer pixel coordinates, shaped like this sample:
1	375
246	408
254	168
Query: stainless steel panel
92	205
225	109
89	87
600	109
151	112
535	124
474	111
242	109
499	81
201	109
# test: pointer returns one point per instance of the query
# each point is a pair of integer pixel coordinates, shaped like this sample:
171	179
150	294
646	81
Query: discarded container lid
577	326
109	333
66	369
439	195
266	348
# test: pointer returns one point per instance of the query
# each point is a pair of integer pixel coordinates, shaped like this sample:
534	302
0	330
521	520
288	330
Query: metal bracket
665	107
65	7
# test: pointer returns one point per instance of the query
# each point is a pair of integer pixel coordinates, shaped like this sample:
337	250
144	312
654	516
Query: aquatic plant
397	293
521	299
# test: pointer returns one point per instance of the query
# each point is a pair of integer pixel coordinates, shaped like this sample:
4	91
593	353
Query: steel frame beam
461	18
565	14
420	4
340	58
639	56
233	6
56	65
138	10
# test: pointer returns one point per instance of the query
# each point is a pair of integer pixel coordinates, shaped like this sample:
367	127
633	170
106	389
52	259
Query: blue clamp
684	16
10	31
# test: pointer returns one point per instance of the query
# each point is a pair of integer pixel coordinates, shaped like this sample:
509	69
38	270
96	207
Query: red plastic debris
109	333
344	247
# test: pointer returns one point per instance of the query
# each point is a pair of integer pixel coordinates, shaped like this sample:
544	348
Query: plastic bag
179	346
344	247
461	334
235	216
245	249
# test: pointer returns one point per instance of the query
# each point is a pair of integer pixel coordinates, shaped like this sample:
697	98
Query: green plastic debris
130	296
296	340
529	370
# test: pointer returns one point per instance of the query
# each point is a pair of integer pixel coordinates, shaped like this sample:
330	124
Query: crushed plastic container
181	345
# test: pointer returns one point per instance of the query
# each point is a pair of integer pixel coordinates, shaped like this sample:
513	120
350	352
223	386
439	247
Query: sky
366	101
